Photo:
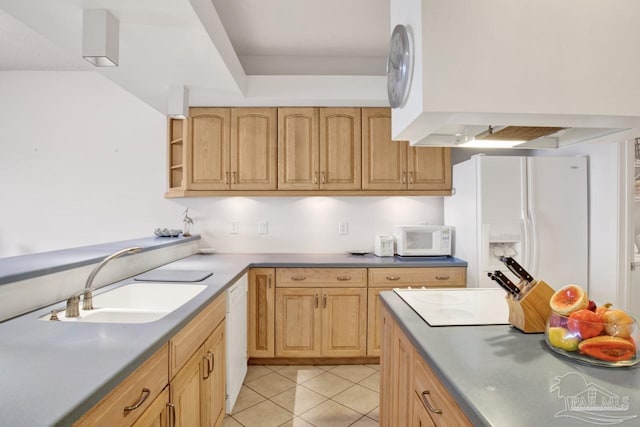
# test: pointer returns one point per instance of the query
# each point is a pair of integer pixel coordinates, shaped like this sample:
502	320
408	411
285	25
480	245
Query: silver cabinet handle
324	301
143	396
427	405
410	177
324	177
235	177
315	177
404	177
442	277
298	278
316	300
343	278
394	278
226	177
171	408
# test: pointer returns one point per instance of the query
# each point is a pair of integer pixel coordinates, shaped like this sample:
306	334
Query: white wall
83	162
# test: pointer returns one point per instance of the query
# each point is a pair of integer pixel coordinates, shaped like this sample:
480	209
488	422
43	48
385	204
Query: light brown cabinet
386	279
131	398
321	322
298	151
394	165
317	316
261	313
159	412
319	149
411	394
232	149
197	366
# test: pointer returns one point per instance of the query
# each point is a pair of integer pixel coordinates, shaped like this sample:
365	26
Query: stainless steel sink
135	303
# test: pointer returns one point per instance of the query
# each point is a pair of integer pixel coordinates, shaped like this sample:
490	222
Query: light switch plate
263	227
343	228
235	227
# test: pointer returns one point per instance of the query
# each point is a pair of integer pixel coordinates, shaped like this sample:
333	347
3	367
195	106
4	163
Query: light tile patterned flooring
302	396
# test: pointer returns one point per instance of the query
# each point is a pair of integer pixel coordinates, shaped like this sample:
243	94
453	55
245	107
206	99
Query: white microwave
422	240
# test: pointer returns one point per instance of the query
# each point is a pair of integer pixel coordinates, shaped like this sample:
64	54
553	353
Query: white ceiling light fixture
178	102
100	37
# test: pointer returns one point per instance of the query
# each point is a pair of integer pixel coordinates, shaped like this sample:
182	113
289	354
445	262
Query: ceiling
226	52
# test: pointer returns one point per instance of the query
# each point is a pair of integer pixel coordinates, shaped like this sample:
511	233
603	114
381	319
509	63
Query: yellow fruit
617	323
569	299
563	338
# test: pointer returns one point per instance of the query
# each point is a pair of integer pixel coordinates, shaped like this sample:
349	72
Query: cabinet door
401	379
208	150
213	387
344	322
186	390
298	153
261	322
384	162
298	322
158	412
253	149
386	367
421	417
340	149
429	168
374	320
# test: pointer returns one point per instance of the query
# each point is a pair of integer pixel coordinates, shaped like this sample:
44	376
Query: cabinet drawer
434	396
321	277
187	341
429	277
142	386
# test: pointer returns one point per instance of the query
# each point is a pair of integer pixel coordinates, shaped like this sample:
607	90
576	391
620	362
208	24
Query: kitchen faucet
73	302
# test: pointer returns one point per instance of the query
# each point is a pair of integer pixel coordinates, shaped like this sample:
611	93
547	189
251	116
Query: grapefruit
569	299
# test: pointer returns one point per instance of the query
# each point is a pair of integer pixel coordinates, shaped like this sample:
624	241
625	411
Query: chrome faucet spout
87	304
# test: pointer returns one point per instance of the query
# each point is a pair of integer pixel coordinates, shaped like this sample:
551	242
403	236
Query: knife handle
516	268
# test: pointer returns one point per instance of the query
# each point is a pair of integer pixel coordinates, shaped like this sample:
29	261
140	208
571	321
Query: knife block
530	313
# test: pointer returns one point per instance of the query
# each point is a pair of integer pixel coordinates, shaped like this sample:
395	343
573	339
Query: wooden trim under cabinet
321	277
419	276
186	342
143	385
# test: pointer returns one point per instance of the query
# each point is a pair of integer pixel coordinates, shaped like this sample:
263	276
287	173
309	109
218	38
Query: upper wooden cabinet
253	149
298	155
319	149
394	165
232	149
299	151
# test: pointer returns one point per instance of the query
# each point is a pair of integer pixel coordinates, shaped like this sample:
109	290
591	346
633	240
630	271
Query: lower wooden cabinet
321	322
410	393
159	413
198	389
131	398
261	313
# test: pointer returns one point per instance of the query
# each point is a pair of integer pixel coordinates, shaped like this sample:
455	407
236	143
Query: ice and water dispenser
499	240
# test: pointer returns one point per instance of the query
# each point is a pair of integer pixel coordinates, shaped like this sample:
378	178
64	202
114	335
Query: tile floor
302	396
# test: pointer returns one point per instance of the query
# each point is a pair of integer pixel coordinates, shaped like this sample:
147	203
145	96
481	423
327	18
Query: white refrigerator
534	209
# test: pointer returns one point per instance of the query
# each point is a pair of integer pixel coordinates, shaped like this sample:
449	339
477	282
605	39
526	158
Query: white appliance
449	307
531	208
236	339
383	246
422	240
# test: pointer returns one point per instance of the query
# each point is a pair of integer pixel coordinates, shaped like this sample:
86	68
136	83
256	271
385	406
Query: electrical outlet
263	227
235	227
343	228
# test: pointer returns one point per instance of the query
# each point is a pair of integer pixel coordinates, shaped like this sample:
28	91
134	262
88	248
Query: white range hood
477	64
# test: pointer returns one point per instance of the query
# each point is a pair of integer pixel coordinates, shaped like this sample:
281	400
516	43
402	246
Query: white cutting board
458	307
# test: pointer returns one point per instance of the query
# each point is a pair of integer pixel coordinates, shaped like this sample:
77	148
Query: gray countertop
53	372
502	377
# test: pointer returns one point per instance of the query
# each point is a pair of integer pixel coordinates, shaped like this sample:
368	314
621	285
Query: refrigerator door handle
524	216
533	222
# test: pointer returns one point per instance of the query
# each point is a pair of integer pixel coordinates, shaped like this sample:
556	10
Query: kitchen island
54	372
500	376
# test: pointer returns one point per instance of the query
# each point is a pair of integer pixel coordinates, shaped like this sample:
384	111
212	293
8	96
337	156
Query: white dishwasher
236	339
